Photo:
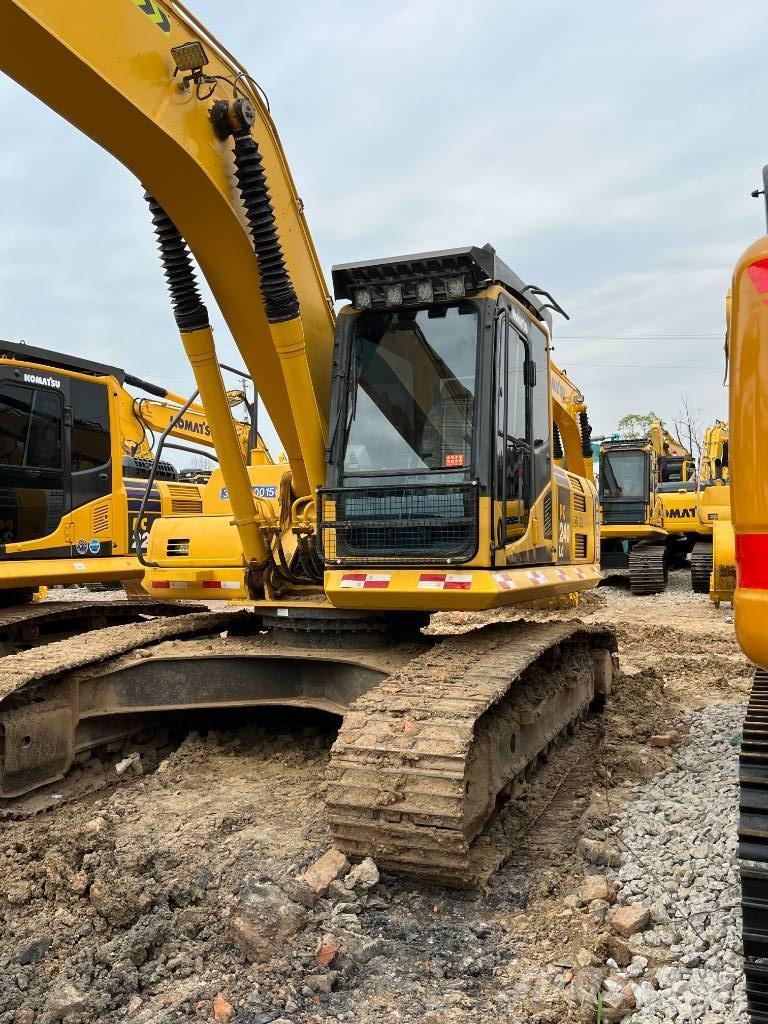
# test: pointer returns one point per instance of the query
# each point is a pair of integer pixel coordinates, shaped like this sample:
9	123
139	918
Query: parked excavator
632	534
76	450
419	473
747	361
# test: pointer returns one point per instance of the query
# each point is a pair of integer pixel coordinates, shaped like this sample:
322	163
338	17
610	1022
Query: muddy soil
173	890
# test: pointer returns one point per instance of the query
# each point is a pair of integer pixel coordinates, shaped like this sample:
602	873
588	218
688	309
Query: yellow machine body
748	454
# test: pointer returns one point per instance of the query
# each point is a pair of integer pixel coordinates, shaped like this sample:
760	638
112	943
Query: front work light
363	298
424	292
189	57
394	295
455	287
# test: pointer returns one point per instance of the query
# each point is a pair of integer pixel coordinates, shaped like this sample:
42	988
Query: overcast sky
607	151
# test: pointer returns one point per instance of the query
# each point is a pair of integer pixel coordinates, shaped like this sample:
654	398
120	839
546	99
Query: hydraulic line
196	335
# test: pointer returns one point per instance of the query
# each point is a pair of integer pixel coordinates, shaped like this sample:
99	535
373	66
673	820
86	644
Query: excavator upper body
421	473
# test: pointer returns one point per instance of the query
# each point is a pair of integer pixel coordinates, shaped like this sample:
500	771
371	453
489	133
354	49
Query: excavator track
701	567
30	625
422	761
648	569
753	847
36	712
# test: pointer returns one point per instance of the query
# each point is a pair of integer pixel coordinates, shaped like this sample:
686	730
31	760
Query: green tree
636	425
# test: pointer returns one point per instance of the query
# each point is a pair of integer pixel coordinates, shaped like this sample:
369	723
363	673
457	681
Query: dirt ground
172	891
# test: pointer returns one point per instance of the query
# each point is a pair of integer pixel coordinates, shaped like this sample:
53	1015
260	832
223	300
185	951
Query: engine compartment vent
177	547
100	519
186	500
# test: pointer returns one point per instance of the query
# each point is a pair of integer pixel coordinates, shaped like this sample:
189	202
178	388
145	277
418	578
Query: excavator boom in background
421	473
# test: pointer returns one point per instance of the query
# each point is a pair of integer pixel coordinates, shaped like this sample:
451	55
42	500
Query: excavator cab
626	481
440	415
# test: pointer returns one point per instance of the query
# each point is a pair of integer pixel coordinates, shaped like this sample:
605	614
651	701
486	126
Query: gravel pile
681	829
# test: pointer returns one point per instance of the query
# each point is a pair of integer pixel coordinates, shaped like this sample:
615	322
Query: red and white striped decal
562	574
537	577
580	573
504	581
445	580
365	580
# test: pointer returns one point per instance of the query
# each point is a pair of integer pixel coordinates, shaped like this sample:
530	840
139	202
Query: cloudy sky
607	151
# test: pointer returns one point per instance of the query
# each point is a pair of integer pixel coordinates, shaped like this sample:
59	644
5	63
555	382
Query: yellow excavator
632	534
419	475
747	355
76	457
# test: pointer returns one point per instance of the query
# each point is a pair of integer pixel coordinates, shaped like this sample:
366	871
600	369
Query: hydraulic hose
189	310
280	300
281	304
585	429
557	442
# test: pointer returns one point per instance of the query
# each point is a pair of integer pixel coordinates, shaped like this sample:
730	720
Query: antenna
756	193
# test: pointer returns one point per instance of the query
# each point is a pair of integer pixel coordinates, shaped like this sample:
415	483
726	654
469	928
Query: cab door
33	479
55	462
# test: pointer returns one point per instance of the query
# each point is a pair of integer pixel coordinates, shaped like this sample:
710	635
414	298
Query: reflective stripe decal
752	560
365	580
445	581
758	275
504	581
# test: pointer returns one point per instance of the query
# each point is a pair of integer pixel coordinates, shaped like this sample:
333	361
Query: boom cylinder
197	337
282	308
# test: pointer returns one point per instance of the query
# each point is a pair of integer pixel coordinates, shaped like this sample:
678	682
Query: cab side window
30	427
90	425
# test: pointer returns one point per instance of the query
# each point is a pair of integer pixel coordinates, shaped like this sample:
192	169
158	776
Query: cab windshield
412	400
624	475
